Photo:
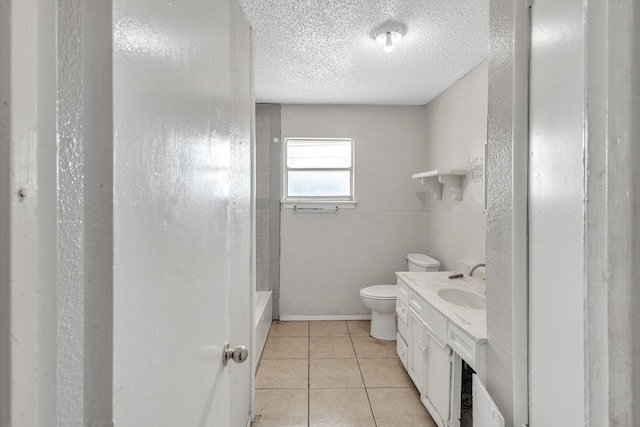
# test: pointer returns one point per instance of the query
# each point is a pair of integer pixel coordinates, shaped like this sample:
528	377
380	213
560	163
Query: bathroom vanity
442	336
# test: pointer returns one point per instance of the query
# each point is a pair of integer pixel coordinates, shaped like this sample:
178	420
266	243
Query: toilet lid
380	291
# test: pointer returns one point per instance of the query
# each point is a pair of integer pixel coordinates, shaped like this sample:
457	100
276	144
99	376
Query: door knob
238	354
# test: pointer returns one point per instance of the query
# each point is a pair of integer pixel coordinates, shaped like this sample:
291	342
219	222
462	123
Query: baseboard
303	317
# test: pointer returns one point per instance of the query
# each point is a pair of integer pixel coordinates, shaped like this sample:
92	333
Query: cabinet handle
423	348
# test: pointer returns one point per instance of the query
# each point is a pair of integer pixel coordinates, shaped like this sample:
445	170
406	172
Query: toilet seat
380	292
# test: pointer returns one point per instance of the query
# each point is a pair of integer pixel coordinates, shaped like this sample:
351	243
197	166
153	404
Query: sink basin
462	298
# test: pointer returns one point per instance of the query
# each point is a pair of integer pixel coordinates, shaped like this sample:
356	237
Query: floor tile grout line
308	374
281	388
285	358
366	391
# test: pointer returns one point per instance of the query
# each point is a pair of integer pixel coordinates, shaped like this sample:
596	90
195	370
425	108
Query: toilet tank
421	262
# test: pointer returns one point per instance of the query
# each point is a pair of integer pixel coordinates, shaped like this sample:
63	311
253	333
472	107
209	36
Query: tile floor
332	373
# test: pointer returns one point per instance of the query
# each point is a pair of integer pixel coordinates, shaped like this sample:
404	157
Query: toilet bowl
381	299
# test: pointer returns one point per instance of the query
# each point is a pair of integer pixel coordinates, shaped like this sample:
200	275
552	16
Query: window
318	170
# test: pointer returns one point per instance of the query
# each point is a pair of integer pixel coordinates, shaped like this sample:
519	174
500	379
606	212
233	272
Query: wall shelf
436	179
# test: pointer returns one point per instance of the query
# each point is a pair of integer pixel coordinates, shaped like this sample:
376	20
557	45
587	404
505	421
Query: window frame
329	201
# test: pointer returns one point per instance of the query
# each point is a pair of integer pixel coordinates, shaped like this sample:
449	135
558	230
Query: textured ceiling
323	51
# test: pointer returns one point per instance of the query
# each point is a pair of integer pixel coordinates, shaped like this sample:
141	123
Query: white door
417	345
556	214
485	411
437	386
175	211
240	213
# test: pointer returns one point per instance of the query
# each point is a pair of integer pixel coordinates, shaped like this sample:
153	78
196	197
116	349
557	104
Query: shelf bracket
433	184
435	179
454	184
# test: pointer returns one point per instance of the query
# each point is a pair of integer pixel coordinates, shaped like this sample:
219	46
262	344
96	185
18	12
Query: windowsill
318	204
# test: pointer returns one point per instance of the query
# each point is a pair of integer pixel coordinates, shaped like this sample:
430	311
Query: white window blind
318	169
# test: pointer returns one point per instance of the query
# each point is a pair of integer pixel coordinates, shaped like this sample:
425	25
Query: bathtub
263	322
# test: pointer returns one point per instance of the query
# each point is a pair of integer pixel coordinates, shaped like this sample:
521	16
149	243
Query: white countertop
472	322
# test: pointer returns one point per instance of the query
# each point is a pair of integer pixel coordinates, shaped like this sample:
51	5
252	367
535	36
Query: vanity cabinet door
485	411
437	385
417	342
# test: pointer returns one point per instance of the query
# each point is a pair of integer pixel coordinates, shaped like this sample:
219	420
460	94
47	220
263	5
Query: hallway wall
5	217
507	160
58	91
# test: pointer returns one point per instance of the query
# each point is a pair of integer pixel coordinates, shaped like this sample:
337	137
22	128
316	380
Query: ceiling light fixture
388	35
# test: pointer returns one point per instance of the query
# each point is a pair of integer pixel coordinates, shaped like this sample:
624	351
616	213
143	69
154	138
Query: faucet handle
472	269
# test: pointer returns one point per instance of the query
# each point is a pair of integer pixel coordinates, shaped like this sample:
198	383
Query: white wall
97	30
60	99
612	232
24	135
5	217
327	258
455	134
268	142
507	159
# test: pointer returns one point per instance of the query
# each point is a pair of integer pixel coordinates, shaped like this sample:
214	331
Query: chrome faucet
474	268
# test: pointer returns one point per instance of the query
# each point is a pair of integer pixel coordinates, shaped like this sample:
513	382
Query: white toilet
381	299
